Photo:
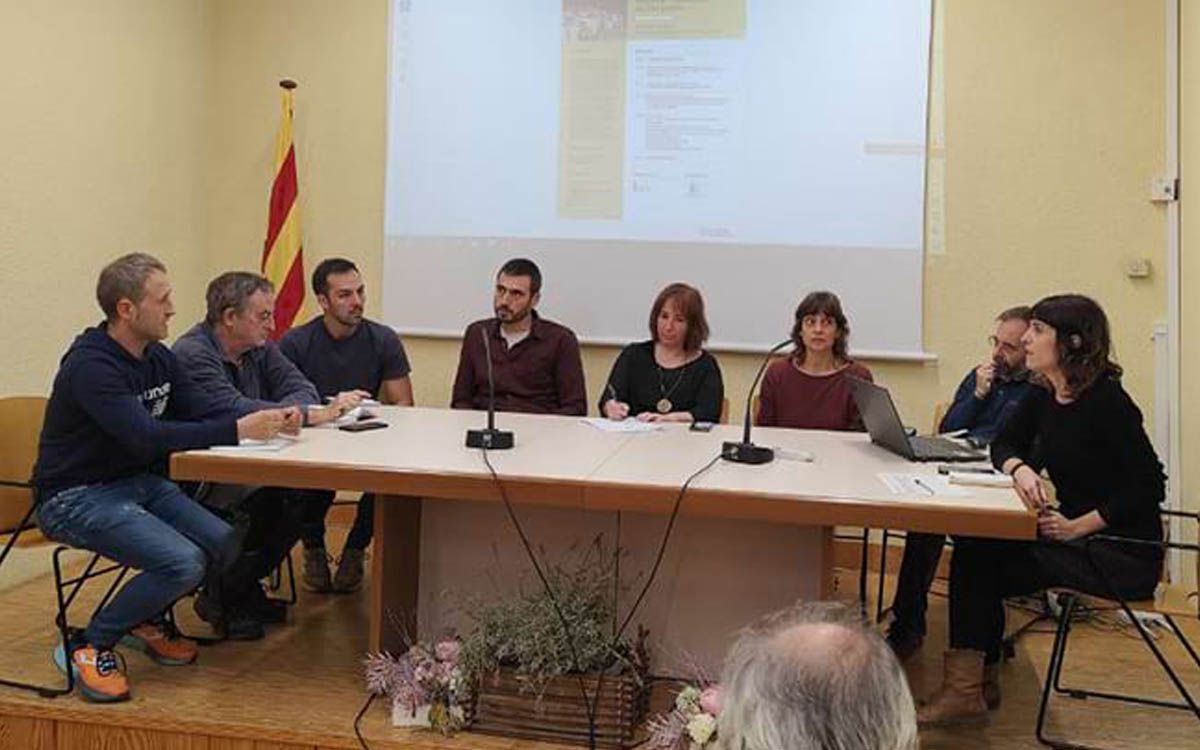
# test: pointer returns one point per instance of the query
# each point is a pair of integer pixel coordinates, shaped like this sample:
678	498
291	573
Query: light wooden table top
563	461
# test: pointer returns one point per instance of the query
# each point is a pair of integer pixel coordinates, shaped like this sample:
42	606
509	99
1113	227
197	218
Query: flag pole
283	252
288	85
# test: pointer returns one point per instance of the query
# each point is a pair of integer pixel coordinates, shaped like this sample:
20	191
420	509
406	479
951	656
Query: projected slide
757	149
662	120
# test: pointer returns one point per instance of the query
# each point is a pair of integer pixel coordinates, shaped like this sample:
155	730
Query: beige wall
1053	129
100	121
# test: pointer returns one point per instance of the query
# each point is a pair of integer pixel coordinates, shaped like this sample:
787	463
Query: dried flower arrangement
425	685
529	674
525	632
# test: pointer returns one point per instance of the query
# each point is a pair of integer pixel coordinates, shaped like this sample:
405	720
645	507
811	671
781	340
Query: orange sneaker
99	674
162	643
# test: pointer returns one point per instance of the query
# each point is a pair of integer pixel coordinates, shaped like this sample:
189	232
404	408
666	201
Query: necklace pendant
664	406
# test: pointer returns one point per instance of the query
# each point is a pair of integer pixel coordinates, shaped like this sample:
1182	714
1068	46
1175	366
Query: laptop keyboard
941	448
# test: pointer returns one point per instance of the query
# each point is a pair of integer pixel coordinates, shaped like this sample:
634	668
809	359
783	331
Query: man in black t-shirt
339	351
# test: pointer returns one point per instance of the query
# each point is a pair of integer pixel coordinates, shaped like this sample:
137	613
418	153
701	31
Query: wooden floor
301	688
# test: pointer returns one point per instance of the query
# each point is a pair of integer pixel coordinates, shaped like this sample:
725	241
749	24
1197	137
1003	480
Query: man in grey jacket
230	356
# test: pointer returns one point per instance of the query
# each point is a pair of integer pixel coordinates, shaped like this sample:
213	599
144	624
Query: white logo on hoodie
159	395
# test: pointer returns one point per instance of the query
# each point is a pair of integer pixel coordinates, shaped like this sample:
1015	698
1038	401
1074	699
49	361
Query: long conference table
749	539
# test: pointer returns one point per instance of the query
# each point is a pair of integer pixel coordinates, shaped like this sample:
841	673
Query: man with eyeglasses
988	393
229	355
986	397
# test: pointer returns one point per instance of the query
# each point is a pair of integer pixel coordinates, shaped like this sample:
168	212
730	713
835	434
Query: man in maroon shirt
535	362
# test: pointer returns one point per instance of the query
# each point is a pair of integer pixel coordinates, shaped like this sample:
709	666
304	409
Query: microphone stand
490	438
746	452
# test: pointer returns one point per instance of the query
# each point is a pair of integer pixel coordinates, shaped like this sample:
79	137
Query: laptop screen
880	416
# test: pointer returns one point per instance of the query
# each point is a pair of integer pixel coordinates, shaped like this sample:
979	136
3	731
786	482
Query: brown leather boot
991	685
960	699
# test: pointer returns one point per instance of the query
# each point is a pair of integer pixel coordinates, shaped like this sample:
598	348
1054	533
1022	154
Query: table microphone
490	438
747	452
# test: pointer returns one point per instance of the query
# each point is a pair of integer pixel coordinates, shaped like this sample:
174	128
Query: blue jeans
145	522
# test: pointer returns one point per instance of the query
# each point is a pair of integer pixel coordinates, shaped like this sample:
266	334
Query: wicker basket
558	714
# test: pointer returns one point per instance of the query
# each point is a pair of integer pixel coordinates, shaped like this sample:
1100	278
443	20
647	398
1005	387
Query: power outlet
1138	268
1164	189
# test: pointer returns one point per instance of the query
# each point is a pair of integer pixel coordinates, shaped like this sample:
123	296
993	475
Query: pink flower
422	673
711	698
448	650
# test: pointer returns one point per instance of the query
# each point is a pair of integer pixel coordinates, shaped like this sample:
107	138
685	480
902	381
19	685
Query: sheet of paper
920	485
626	425
249	445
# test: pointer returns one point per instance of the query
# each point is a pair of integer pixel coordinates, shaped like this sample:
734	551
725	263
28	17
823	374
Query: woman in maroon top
809	390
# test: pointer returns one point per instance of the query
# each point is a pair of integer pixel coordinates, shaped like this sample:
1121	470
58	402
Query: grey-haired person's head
232	290
815	677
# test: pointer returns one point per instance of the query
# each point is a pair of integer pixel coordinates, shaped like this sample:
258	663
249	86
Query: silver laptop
883	423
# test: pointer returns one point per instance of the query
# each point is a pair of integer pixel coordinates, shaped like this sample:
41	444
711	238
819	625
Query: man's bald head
814	676
820	643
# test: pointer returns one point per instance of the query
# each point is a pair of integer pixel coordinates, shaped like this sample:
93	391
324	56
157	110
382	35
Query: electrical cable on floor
362	741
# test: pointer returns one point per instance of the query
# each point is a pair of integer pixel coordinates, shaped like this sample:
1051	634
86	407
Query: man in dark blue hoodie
120	404
231	357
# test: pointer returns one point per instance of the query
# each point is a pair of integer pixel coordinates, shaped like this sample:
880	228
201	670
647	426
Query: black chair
864	563
63	597
275	582
1069	600
1009	645
880	610
864	566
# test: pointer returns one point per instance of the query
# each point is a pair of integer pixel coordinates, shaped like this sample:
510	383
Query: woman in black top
669	378
1082	429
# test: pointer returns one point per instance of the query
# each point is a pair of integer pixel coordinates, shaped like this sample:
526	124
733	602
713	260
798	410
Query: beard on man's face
508	315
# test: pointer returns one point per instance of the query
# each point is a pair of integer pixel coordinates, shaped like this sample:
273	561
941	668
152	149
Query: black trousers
268	522
917	570
985	571
317	505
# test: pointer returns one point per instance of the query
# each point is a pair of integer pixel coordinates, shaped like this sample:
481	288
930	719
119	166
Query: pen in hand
622	409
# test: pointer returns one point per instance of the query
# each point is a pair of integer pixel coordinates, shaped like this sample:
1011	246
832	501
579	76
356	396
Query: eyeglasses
1004	345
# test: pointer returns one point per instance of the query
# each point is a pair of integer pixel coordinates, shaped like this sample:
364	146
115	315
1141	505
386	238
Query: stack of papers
357	414
349	417
980	480
626	425
249	445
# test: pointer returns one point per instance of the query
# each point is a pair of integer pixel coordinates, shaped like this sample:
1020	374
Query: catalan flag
283	254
